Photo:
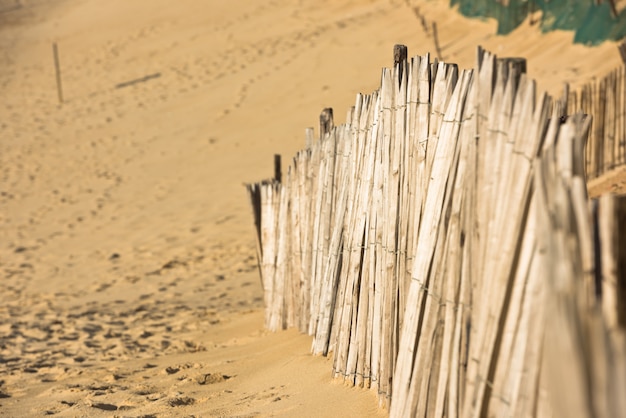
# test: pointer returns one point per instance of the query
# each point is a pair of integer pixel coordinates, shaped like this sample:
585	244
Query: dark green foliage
591	23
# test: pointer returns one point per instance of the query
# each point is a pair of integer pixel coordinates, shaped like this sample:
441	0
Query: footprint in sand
211	378
181	401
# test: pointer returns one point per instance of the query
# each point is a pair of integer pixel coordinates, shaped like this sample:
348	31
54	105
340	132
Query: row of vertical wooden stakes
440	244
605	99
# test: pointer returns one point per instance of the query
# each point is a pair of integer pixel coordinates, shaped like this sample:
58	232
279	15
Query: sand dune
130	284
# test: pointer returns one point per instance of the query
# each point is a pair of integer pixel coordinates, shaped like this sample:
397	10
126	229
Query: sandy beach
130	284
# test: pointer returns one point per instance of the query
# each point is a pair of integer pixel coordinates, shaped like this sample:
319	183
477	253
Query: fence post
278	176
326	121
400	53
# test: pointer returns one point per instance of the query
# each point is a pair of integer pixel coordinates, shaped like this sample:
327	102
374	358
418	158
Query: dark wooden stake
278	175
57	67
326	121
400	53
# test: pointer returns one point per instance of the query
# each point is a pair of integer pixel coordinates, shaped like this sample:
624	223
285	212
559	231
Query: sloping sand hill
127	256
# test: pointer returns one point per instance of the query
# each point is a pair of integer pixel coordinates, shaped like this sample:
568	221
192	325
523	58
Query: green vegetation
591	22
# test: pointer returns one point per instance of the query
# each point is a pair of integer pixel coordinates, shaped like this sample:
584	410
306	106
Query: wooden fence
423	244
605	99
583	311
